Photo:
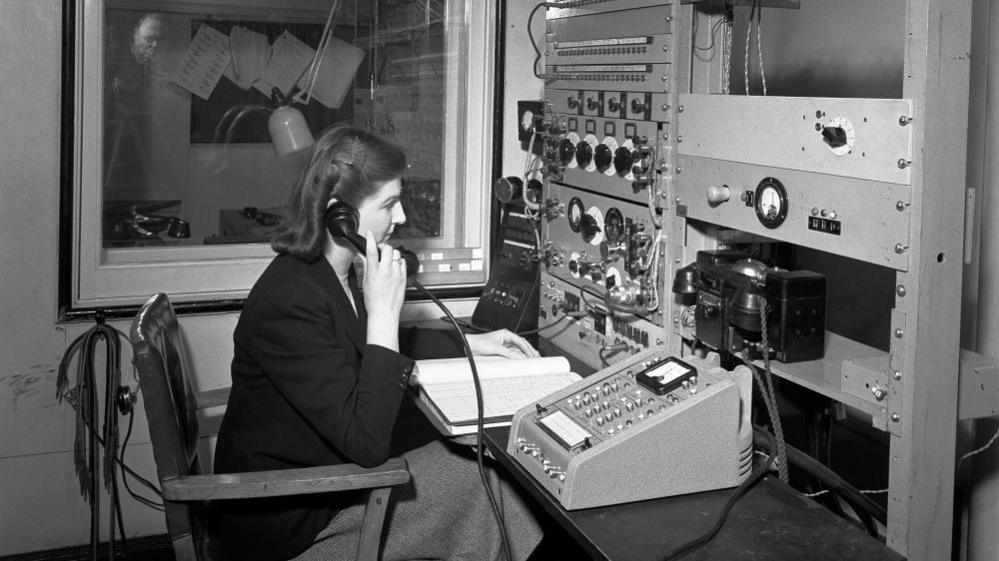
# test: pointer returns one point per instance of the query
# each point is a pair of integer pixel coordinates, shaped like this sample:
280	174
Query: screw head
899	333
895	417
900	290
900	206
679	109
896	375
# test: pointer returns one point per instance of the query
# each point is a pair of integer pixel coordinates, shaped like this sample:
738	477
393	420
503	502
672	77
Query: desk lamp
289	131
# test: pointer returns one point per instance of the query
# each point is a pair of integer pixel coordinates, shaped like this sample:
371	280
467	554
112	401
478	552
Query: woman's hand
384	292
502	342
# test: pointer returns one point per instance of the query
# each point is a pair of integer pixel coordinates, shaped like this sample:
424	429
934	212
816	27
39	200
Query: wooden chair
162	362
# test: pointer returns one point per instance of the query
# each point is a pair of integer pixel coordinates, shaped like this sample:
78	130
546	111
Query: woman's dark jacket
307	390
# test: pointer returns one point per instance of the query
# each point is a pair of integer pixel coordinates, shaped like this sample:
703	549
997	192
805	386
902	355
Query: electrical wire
530	36
83	397
479	422
739	491
858	500
977	450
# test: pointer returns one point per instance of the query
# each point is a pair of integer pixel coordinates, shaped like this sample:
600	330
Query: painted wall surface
39	492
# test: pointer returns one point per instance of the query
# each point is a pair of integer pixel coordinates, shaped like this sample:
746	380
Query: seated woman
319	377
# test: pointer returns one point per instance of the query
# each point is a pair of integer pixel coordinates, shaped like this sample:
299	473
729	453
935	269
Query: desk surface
770	522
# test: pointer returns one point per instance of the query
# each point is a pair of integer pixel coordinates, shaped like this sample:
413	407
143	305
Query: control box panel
681	425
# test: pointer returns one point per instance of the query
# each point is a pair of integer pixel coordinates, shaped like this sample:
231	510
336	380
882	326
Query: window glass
178	160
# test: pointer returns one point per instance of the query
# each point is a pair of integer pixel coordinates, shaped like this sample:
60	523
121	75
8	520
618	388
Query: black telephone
341	221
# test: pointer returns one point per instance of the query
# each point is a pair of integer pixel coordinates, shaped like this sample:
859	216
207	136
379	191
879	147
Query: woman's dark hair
347	163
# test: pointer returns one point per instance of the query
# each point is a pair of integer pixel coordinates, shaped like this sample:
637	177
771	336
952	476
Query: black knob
572	102
584	154
614	105
566	151
592	104
834	136
602	156
588	227
623	160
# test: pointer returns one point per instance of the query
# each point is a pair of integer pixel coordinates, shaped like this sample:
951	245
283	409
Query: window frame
93	280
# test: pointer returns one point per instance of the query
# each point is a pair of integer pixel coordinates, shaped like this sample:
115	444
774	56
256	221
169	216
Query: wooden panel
285	482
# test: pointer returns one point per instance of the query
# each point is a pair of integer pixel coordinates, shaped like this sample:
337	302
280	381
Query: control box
651	426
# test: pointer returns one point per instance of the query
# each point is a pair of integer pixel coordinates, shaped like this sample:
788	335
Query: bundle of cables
84	397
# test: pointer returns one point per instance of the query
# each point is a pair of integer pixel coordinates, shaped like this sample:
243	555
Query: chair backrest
162	362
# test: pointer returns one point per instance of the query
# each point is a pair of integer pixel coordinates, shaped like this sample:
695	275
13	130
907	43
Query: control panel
681	425
609	155
580	325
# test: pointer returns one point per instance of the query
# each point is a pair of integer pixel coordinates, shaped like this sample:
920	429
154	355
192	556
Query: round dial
771	202
592	226
575	213
614	225
839	135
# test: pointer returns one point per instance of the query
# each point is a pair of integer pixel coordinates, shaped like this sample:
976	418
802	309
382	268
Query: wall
42	507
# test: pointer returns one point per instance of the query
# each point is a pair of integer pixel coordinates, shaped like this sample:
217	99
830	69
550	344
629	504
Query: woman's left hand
501	342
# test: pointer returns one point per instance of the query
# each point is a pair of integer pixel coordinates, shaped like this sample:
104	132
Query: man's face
147	35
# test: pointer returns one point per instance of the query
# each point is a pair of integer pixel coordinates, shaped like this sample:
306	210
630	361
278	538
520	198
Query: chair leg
369	542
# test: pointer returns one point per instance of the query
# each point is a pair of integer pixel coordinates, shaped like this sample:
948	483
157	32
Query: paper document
204	62
446	391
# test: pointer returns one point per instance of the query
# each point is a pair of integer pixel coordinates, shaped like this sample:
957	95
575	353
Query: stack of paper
446	392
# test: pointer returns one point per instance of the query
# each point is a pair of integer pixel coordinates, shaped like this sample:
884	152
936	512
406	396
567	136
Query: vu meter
771	202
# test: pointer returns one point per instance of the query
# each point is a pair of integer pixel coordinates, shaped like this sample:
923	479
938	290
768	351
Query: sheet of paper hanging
204	62
336	72
290	58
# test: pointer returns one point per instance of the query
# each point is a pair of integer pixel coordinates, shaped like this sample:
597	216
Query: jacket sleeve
422	343
298	345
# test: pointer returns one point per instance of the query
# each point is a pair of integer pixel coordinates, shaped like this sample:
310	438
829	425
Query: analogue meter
574	212
771	202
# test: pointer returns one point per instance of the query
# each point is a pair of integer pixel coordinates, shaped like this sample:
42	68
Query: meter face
771	202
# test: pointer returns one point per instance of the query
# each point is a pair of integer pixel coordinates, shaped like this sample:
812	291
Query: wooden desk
770	522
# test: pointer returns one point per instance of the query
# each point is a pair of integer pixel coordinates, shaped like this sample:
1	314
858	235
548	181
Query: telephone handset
341	221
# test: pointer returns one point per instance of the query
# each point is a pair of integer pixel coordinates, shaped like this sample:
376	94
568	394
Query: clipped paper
337	68
204	62
250	51
289	59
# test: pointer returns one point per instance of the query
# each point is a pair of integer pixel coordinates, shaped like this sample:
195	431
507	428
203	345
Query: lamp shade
289	131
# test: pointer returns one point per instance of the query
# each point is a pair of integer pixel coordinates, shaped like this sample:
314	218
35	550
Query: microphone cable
479	422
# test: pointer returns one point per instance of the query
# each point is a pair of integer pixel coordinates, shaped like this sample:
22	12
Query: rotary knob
584	154
623	160
603	157
566	151
588	227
